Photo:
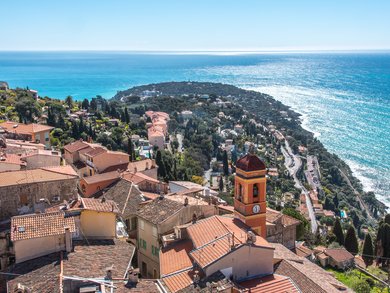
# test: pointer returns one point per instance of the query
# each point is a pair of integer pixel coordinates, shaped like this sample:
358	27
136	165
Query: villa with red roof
30	132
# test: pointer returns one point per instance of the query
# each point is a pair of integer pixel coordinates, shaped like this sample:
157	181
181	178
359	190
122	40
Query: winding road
293	163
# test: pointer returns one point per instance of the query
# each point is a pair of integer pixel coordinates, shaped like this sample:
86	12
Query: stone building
158	218
29	191
281	228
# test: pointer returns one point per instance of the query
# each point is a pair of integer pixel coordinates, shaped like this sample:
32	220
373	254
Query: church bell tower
250	192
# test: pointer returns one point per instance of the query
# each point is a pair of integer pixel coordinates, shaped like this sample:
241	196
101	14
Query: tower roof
250	162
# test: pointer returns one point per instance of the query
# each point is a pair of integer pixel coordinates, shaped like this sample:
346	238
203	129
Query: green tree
225	163
368	250
361	286
27	108
127	117
69	101
85	104
220	183
338	232
351	242
161	172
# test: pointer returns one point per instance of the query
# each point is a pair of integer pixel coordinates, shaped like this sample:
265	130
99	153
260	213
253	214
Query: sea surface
344	98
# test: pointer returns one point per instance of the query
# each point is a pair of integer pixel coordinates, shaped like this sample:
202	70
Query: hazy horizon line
219	52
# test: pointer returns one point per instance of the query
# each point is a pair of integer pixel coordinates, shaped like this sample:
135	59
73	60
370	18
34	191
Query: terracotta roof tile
179	281
206	230
303	251
126	196
11	159
15	127
339	254
212	251
250	163
101	177
138	177
41	275
96	151
91	259
99	205
158	210
40	225
175	258
34	176
270	284
76	146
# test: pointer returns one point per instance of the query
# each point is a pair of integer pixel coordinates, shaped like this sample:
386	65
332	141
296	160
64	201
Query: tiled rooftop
179	281
37	175
88	260
15	127
127	197
99	205
158	210
339	254
76	146
274	216
11	159
41	275
40	225
101	177
309	277
270	284
176	257
91	259
138	177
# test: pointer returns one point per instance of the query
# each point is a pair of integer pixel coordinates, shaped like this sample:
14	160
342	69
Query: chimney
68	240
108	273
233	241
132	276
103	200
161	195
186	201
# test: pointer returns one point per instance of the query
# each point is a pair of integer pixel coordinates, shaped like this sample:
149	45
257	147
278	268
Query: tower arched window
255	190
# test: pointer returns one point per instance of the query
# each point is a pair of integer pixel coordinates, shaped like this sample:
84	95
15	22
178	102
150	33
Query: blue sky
157	25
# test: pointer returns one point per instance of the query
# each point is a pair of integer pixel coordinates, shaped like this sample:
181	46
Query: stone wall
26	198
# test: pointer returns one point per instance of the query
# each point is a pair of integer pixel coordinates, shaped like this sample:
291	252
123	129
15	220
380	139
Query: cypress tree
130	149
338	232
161	167
127	117
75	131
81	125
368	250
221	184
225	163
351	242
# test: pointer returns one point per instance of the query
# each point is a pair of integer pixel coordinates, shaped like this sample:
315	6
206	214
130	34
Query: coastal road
358	196
293	163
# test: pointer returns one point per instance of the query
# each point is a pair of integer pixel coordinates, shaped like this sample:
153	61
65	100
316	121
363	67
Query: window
141	224
154	231
155	250
23	199
255	190
142	243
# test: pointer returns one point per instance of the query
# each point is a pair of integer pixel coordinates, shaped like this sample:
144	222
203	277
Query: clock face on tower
256	209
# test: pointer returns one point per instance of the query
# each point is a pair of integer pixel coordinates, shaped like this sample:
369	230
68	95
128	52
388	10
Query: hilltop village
179	187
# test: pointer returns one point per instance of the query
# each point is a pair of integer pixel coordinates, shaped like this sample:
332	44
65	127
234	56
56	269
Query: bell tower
250	192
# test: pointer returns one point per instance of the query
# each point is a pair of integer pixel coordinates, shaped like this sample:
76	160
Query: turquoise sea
344	98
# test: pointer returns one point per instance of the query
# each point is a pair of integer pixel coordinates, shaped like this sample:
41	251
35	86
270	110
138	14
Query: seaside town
179	187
